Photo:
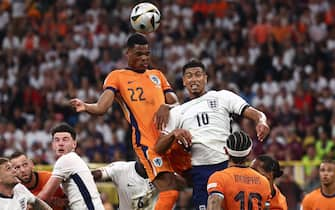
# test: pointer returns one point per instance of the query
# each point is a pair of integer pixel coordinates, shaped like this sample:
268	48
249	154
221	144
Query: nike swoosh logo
130	185
129	82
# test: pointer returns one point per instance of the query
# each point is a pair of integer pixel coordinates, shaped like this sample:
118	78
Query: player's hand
262	129
161	117
183	137
78	104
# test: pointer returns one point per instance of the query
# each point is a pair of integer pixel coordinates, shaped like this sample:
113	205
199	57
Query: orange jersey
140	95
278	201
316	200
242	188
42	178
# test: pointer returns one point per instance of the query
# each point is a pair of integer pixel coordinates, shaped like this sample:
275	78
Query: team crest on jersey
155	79
158	162
213	103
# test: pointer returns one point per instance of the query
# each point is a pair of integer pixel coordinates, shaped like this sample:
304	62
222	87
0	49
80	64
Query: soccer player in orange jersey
270	168
35	180
322	198
238	187
145	97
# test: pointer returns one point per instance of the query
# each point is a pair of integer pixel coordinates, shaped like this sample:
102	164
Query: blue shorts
200	176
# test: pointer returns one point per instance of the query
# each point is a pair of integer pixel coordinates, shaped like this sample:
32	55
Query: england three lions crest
155	80
213	103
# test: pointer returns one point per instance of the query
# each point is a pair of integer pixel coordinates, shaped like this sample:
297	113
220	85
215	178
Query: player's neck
241	165
33	181
328	190
6	191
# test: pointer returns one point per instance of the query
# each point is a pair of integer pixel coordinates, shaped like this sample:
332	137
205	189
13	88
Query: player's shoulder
313	194
42	175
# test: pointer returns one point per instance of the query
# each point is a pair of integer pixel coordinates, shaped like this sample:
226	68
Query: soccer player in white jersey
133	186
71	172
13	195
205	123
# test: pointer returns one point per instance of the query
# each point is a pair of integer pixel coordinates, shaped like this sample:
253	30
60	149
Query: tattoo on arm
41	205
214	202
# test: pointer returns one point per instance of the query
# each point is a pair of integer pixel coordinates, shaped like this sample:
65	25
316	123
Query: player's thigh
153	162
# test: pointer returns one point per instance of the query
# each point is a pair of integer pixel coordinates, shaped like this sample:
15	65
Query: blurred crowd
278	54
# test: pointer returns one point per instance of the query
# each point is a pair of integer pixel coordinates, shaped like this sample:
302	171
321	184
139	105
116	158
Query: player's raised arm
100	107
162	114
50	188
262	128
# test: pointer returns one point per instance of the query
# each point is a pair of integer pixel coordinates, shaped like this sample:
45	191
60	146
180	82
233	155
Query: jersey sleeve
174	120
113	171
22	190
63	168
164	83
215	184
112	81
233	102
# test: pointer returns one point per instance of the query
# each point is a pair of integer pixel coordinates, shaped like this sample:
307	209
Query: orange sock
166	200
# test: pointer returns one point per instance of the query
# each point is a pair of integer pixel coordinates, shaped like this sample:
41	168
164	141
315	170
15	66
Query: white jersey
134	191
208	118
77	182
18	201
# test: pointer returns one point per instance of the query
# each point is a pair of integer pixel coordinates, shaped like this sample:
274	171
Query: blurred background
277	54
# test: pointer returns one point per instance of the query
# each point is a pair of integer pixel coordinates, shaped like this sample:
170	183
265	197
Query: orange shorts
153	162
175	160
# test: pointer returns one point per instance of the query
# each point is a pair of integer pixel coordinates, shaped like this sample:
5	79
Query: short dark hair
3	160
136	39
270	165
328	160
193	63
64	127
16	154
238	141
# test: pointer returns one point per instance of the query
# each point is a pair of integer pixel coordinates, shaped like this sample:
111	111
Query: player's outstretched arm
214	202
164	142
49	188
262	128
100	107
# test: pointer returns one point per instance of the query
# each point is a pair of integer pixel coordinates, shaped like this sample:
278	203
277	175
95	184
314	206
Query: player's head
238	147
138	52
7	173
327	172
267	166
63	139
195	78
23	166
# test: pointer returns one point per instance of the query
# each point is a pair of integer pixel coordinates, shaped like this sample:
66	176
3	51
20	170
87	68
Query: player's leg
200	175
161	174
166	183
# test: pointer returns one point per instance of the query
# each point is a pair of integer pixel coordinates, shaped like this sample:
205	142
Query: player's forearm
95	108
97	174
255	115
164	143
40	205
214	202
